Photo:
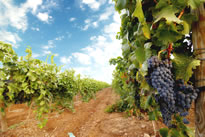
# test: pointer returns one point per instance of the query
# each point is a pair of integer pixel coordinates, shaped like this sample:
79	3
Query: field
89	120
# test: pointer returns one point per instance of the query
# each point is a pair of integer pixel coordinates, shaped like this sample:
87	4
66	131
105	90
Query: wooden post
4	125
198	38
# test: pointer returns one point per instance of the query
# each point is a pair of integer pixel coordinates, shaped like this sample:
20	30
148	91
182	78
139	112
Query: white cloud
94	59
59	38
35	55
66	60
82	58
105	16
44	17
93	38
33	4
95	24
11	15
93	4
72	19
35	29
101	39
9	37
49	45
49	4
109	11
85	27
46	52
16	15
89	23
116	18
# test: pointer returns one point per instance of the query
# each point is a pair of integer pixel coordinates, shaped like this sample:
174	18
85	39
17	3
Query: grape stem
161	52
169	50
170	47
181	13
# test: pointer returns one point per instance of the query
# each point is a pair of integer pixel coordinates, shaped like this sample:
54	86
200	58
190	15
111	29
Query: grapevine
173	96
157	53
26	80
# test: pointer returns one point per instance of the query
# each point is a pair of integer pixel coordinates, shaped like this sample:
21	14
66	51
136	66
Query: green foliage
140	15
181	131
25	79
119	106
184	66
164	132
147	28
121	4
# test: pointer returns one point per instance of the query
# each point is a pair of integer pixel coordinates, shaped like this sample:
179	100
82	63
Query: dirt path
89	120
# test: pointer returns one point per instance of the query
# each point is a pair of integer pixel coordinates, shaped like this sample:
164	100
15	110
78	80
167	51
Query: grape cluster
185	94
173	96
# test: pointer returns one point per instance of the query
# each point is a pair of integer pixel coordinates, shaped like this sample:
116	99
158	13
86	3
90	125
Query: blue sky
80	33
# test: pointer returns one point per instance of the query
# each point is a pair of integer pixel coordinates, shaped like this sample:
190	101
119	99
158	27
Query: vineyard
154	83
39	84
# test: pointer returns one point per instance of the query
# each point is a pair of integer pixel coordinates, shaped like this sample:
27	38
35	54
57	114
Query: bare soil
88	120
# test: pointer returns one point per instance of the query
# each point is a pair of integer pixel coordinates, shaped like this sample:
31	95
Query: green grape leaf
180	4
148	101
42	103
167	13
142	54
186	28
143	69
146	30
144	85
167	33
161	4
31	76
152	115
164	132
194	3
121	4
190	132
1	93
140	15
184	66
189	18
176	133
139	12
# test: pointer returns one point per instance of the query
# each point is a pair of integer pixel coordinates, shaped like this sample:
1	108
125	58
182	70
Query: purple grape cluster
173	96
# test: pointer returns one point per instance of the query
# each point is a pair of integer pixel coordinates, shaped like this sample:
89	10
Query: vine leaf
184	66
143	53
186	28
120	4
176	133
161	4
153	115
167	13
167	33
164	132
190	132
148	101
140	15
194	3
